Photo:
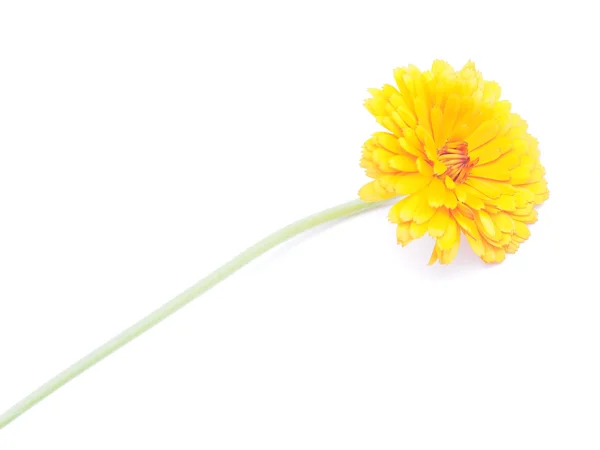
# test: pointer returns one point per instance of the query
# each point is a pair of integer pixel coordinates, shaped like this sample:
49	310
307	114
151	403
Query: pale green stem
181	300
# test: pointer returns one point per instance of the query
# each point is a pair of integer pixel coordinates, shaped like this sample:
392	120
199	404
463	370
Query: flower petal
424	167
447	256
403	163
437	117
409	147
411	183
418	229
425	137
522	230
503	222
387	141
450	201
451	235
374	192
436	193
424	211
403	211
450	114
486	225
490	171
439	222
403	234
487	131
485	187
423	114
434	255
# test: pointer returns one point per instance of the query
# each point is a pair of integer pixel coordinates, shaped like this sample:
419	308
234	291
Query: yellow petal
520	175
440	67
407	116
477	245
374	192
539	199
474	202
418	229
471	191
490	171
489	255
387	141
399	74
450	184
484	187
411	183
522	230
451	235
403	163
377	104
388	123
437	116
450	114
506	203
523	211
505	239
493	254
486	225
439	222
492	150
447	256
439	168
422	114
381	158
398	120
512	247
508	161
524	198
529	218
484	133
424	167
403	233
412	138
408	147
434	255
436	193
424	211
465	211
450	201
403	211
525	194
388	181
467	225
503	222
491	92
461	192
500	255
425	137
539	187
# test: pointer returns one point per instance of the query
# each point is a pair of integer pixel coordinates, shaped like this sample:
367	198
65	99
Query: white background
144	143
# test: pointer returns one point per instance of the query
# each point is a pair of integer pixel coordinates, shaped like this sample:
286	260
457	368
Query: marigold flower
464	162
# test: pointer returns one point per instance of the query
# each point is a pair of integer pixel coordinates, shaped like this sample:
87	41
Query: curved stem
180	301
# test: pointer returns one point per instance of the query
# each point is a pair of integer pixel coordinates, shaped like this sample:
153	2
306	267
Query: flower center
455	156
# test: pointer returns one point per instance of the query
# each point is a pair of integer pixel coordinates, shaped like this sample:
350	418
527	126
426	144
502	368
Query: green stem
180	301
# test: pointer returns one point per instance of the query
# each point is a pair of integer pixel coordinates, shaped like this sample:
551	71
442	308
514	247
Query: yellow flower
464	162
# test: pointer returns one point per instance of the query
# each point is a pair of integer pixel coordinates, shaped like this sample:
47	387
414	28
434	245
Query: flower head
464	162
